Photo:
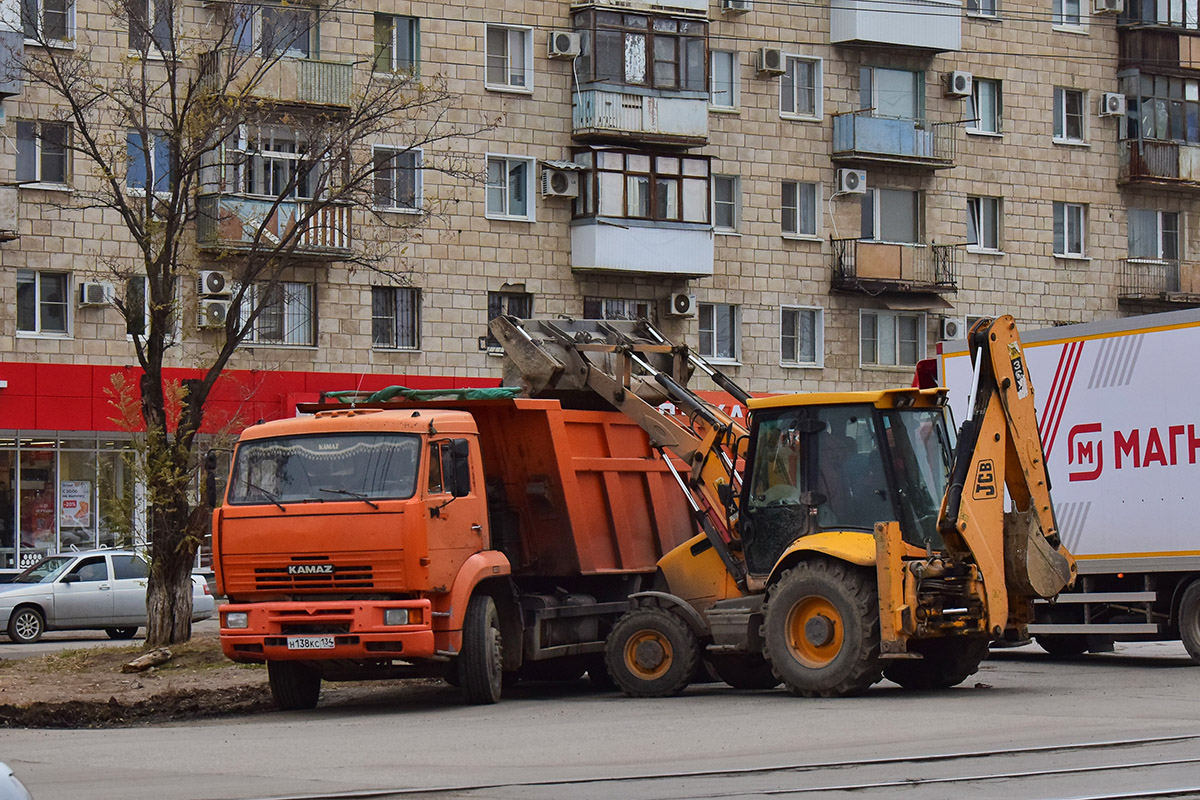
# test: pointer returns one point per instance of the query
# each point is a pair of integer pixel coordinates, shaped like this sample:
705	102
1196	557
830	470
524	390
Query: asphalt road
1025	727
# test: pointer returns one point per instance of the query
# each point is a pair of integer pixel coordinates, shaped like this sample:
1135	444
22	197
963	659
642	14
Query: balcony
609	114
1159	163
859	137
679	249
862	265
9	207
1159	282
931	25
12	50
232	222
1158	47
289	81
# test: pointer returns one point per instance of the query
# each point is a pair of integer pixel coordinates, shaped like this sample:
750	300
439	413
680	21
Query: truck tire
1189	620
481	664
121	633
821	629
26	625
947	662
651	653
295	686
1063	645
744	671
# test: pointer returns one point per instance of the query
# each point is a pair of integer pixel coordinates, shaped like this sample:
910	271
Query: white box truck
1118	405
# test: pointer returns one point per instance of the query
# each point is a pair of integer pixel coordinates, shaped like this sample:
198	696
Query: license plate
310	643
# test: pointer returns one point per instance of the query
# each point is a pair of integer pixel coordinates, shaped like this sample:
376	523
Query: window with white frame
723	81
43	302
726	201
42	153
800	88
1153	235
396	317
1068	13
892	93
511	303
1068	115
983	223
801	336
892	215
1070	229
509	188
615	308
509	58
148	166
288	315
719	333
150	26
891	338
983	8
397	44
798	207
48	20
287	30
274	163
397	179
983	109
657	51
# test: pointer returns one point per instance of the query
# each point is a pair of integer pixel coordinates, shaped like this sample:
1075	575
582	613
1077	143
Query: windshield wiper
355	495
267	493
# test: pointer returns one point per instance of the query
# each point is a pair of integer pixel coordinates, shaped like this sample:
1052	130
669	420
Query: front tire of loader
1189	620
481	664
295	686
821	629
947	662
651	653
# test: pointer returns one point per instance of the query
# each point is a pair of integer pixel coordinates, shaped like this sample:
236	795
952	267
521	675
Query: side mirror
460	452
70	578
210	478
725	494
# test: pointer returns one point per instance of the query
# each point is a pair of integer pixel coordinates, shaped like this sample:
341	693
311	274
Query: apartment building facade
808	194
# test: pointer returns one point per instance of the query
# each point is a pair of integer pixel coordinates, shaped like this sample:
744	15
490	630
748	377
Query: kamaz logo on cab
310	569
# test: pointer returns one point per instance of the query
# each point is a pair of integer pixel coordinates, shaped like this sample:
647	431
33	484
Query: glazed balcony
12	50
934	26
1159	281
629	115
288	81
1159	163
863	265
859	137
232	222
676	249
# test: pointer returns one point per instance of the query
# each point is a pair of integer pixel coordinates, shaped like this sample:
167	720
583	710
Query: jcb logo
985	481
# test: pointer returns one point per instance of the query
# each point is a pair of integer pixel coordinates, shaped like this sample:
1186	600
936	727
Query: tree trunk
169	596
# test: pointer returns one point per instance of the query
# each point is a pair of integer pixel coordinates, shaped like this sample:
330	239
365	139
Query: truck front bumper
322	630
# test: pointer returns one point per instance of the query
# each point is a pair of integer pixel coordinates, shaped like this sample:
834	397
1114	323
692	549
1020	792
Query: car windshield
45	570
921	444
324	468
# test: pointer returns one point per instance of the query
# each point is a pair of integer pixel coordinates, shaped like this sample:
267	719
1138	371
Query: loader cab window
920	443
849	472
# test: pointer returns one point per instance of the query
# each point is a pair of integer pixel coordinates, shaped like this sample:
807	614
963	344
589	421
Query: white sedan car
93	590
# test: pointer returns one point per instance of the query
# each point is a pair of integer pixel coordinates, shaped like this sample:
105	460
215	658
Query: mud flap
1032	566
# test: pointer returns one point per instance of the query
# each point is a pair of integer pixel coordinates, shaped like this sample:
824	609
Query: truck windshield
325	468
920	444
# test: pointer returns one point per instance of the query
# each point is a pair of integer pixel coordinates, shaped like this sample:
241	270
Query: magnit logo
1085	452
1167	446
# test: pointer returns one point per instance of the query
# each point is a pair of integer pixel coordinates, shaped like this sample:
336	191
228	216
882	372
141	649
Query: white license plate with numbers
310	643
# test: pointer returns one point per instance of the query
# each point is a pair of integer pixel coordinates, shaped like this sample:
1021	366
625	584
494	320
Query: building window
42	152
48	20
509	188
513	304
719	331
889	338
892	215
800	336
983	111
148	166
1161	107
983	223
150	26
1068	115
724	79
1070	220
397	44
643	185
615	308
274	163
137	297
396	317
1153	235
397	179
43	302
726	199
798	203
1068	13
800	88
982	8
634	49
895	93
509	58
288	315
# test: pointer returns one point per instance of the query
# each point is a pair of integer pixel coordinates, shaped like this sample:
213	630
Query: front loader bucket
1033	567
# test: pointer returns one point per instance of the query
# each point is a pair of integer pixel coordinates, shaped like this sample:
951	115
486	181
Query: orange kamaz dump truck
471	539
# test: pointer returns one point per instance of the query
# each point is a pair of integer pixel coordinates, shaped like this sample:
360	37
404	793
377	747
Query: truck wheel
294	686
821	629
947	662
26	625
1063	644
745	671
121	633
1189	620
481	664
651	653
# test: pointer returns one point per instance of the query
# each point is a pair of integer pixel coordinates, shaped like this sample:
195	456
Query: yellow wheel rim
648	655
815	632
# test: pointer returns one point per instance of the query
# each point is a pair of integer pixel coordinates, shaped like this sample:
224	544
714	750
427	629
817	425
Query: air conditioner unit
213	283
1112	104
770	61
95	294
559	183
953	328
851	181
958	83
680	304
735	6
213	313
562	44
1108	6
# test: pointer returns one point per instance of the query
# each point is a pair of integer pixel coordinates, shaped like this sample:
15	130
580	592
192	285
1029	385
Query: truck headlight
395	616
237	619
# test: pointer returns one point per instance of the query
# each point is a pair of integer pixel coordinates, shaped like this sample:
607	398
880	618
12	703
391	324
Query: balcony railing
302	81
864	265
931	25
242	223
1149	161
859	136
1159	281
642	117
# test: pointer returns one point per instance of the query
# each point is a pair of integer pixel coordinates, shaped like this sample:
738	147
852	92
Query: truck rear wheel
1063	644
481	664
821	629
1189	620
744	671
294	685
651	653
947	662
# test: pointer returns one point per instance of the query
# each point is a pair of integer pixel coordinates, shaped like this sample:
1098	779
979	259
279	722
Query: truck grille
342	577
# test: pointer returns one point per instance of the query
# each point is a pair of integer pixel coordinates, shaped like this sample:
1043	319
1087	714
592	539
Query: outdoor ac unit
680	304
1108	6
1112	104
770	61
213	313
735	6
95	294
559	183
213	283
563	44
851	181
953	328
958	83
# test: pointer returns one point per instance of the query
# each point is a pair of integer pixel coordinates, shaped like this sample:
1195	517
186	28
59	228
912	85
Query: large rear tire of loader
1189	620
481	664
651	653
744	671
947	662
1063	645
821	629
295	686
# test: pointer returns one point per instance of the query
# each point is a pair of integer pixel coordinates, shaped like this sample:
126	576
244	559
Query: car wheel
26	625
121	633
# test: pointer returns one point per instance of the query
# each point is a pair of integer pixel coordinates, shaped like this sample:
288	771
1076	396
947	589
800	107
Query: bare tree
169	138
